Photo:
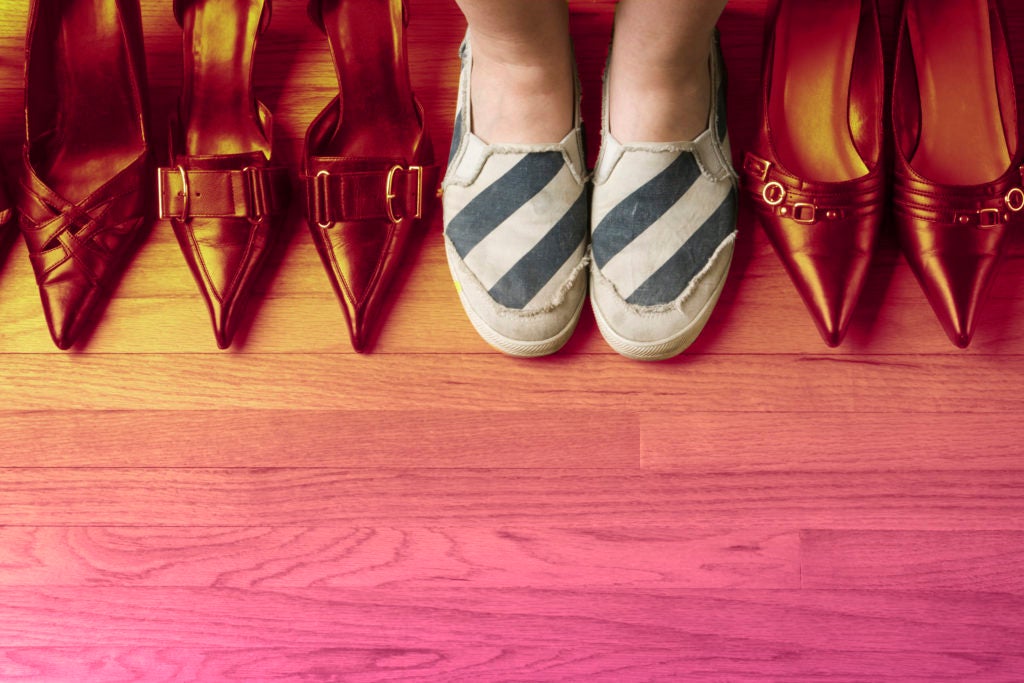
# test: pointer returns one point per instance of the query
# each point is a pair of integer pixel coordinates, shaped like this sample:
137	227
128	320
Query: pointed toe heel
86	167
958	170
368	163
226	201
816	175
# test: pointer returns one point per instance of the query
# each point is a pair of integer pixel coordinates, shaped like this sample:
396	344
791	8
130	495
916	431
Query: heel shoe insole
220	111
962	138
808	108
99	124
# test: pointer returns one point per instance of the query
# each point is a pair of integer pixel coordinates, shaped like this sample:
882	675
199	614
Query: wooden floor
762	508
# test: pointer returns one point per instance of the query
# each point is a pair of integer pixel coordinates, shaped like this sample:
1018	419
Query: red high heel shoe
816	173
958	170
87	171
369	164
224	198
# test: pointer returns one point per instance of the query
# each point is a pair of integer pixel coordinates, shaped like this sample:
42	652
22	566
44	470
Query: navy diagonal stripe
494	204
721	105
531	273
641	209
456	137
669	281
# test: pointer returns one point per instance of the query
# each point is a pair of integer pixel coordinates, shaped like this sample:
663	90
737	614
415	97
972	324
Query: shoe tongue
225	162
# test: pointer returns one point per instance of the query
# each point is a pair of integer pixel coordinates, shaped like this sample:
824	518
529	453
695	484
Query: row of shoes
89	184
529	232
820	173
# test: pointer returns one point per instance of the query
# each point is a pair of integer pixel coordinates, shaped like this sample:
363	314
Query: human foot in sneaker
516	217
663	222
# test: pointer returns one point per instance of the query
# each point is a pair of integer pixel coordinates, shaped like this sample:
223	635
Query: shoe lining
221	117
99	130
962	140
809	108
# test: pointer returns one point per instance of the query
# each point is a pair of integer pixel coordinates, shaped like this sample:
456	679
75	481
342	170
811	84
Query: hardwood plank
911	560
520	439
490	663
775	383
942	500
606	556
503	634
837	442
322	438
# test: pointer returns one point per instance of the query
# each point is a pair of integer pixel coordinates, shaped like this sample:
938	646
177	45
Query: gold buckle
776	191
804	206
995	217
390	196
758	166
186	192
1015	199
256	199
320	200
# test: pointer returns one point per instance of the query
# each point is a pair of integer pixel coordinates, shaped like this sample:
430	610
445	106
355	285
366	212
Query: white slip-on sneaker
515	231
663	227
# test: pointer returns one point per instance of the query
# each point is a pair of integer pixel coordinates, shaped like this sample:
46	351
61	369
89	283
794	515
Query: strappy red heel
86	172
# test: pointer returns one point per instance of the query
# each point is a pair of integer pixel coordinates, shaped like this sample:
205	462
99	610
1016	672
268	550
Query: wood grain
322	438
845	384
701	662
266	558
964	500
907	560
551	634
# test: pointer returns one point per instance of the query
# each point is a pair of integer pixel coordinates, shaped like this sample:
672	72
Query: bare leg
660	88
522	80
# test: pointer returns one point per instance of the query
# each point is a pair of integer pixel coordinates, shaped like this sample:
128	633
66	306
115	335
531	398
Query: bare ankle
521	101
653	104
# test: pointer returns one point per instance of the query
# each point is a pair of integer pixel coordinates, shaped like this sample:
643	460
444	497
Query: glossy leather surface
224	198
84	195
816	173
957	173
369	164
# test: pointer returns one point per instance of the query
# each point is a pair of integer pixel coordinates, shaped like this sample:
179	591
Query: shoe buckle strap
756	166
390	194
807	213
251	193
1015	200
774	194
257	202
1010	208
165	195
395	194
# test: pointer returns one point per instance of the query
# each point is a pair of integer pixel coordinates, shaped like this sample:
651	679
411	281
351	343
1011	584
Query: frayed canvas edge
464	274
685	295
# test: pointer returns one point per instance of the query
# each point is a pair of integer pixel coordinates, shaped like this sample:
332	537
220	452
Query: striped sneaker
515	226
663	223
